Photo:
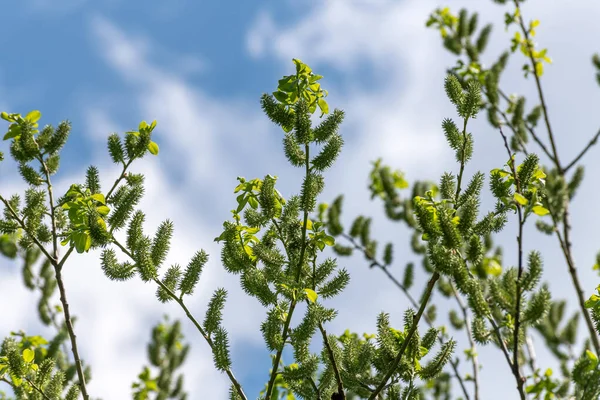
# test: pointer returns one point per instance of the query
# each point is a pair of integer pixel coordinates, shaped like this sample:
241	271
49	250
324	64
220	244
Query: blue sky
199	68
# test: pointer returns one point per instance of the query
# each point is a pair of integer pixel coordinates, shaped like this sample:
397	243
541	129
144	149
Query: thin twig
336	370
531	130
399	285
37	388
409	335
566	246
474	358
61	286
538	83
516	370
232	378
63	297
315	388
501	342
298	275
582	153
532	358
24	227
123	174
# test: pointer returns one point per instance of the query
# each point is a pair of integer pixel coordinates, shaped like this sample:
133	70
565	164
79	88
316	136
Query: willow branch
566	246
118	180
207	338
37	388
293	303
61	286
582	153
399	285
334	366
516	370
474	358
407	339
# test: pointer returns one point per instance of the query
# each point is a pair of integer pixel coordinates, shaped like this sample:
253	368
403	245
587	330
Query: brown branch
232	378
538	84
293	303
566	245
501	342
531	131
123	174
516	370
582	153
37	388
336	371
474	358
532	358
411	332
61	286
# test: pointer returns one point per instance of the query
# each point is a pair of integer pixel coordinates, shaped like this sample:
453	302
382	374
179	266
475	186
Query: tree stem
411	332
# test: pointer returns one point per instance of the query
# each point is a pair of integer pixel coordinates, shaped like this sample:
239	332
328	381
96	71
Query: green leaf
593	301
311	294
253	202
323	106
99	197
592	357
329	240
103	210
539	210
153	148
34	116
281	96
519	198
83	241
13	131
28	355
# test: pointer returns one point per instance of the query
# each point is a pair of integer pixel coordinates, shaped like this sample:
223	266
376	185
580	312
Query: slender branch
532	358
501	342
123	174
566	249
531	131
37	388
566	245
336	371
232	378
315	388
538	84
61	286
407	339
516	370
414	303
277	359
65	257
24	227
474	358
298	275
582	153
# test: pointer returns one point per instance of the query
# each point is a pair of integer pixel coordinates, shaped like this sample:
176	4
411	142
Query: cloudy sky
199	69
